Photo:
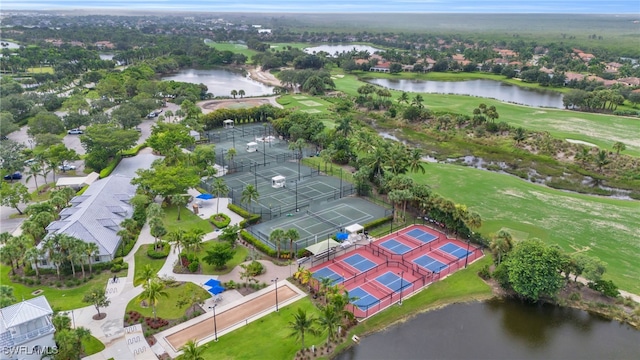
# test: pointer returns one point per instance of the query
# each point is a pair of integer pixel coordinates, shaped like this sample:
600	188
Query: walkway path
111	331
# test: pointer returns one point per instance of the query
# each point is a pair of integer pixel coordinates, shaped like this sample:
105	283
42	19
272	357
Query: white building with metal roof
26	330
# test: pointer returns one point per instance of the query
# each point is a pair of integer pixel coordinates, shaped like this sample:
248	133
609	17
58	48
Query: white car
66	167
75	132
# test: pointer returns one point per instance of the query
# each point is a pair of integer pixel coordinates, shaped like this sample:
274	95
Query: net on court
421	235
363	299
359	262
430	264
325	272
454	250
395	246
317	216
393	281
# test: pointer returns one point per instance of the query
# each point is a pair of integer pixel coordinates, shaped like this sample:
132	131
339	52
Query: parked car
151	115
29	162
66	167
15	176
75	132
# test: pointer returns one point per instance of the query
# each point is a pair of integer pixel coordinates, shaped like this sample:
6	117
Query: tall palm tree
90	250
329	320
602	160
417	101
249	195
501	244
193	239
277	236
325	283
344	126
219	187
152	291
191	351
33	171
176	237
340	302
302	324
146	275
293	235
619	146
241	93
234	93
180	201
32	255
415	161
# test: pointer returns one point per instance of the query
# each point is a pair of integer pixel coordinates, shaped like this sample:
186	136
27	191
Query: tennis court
454	250
421	235
325	272
430	263
395	246
359	262
393	281
364	300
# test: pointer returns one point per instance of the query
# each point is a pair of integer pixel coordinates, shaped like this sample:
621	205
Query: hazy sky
328	6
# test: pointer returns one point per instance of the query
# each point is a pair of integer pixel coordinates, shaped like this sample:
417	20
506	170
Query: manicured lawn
601	130
238	258
142	260
188	220
59	299
92	346
604	227
169	307
41	70
306	103
266	338
236	48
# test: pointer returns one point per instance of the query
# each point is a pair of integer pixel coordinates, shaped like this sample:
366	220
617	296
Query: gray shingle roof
95	215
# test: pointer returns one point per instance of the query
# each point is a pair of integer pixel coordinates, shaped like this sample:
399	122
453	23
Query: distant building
381	67
26	330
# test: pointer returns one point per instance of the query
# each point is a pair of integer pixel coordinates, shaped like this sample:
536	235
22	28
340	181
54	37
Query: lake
480	88
220	82
501	329
332	49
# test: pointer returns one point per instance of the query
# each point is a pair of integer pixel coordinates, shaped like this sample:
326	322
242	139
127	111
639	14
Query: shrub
109	169
378	222
259	245
238	210
255	268
194	266
484	272
116	268
118	261
574	296
81	191
606	287
220	224
162	253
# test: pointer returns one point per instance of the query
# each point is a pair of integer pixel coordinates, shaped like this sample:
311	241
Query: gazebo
228	124
278	181
356	232
323	248
252	147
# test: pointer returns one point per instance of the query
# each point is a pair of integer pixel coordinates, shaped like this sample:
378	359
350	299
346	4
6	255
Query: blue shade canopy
216	290
212	282
342	236
205	196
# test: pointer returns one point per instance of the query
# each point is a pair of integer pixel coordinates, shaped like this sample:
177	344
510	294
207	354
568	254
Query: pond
220	82
480	88
501	329
332	49
8	45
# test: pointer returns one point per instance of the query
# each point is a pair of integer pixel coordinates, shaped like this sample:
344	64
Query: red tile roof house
630	81
104	45
381	67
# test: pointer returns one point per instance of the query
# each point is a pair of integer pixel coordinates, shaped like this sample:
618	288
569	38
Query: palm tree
601	160
302	324
176	237
219	187
330	320
34	170
277	236
417	101
146	275
231	153
157	229
344	126
583	155
501	244
293	235
90	250
32	255
193	239
234	93
191	351
325	283
249	195
519	135
152	291
618	146
180	201
404	98
415	161
340	302
241	93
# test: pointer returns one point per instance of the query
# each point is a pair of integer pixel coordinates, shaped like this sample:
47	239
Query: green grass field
233	47
168	308
603	227
41	70
142	260
188	220
598	129
306	103
91	346
59	298
266	338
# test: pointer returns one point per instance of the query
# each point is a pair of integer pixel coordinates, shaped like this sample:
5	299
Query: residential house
95	216
630	81
383	66
101	45
26	330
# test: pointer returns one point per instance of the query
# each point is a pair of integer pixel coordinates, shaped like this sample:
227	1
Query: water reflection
481	88
220	82
500	329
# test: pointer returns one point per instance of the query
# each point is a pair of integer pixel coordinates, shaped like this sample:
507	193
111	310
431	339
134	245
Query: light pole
276	282
401	286
466	258
297	197
215	325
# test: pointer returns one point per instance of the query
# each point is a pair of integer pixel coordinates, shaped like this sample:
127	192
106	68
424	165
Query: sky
337	6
